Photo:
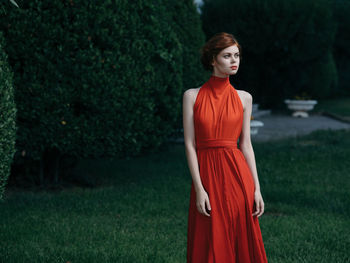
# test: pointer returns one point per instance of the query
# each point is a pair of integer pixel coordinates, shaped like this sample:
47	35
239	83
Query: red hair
214	46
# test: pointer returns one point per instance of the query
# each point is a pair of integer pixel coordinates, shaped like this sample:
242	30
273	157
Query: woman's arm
190	147
246	147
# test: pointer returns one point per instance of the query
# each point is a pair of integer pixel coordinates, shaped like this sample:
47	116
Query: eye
236	55
226	56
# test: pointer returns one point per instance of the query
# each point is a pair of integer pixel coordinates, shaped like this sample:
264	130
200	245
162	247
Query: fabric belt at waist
216	143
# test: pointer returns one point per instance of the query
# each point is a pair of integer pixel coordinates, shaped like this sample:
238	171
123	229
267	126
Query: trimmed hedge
7	118
287	46
99	79
188	27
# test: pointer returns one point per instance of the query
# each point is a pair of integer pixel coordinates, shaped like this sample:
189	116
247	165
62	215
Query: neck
219	84
220	75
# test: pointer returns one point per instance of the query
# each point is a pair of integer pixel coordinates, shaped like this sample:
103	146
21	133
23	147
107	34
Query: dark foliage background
341	44
287	46
7	118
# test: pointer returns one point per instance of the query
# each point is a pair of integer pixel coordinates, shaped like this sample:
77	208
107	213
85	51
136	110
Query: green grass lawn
339	107
139	212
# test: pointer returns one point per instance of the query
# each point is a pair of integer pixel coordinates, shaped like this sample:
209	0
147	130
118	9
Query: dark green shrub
341	44
188	27
98	79
7	118
286	45
94	77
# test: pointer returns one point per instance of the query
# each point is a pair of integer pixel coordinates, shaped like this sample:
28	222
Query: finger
257	211
204	211
262	209
254	213
260	214
208	204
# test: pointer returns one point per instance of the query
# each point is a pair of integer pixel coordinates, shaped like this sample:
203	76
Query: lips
234	67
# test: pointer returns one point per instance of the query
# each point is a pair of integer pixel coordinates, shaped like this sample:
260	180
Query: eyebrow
231	53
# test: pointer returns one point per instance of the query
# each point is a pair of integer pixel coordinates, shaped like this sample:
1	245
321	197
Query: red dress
231	234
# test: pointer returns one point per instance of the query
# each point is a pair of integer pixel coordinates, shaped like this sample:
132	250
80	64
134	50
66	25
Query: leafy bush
7	118
283	41
99	79
188	27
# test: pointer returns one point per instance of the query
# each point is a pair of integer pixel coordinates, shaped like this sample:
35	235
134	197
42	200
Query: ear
213	62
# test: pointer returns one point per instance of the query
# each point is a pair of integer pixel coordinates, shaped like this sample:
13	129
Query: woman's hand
259	204
202	199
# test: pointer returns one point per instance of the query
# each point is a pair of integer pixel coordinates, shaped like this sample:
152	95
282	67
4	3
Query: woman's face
226	62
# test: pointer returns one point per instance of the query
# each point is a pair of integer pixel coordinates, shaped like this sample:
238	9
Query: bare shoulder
191	95
246	98
244	95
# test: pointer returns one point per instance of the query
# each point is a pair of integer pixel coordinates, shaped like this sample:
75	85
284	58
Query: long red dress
231	234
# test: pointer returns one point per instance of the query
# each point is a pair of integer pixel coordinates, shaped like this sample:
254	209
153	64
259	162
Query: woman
225	197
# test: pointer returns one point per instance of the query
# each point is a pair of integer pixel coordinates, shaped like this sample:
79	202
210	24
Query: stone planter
300	107
254	126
